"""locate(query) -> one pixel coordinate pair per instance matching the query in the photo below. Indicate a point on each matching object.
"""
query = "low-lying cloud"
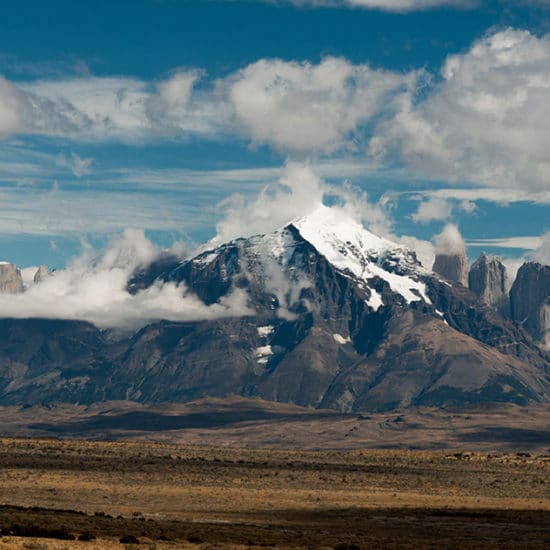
(93, 288)
(299, 192)
(542, 253)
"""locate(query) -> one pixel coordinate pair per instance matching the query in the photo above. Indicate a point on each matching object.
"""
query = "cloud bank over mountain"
(93, 287)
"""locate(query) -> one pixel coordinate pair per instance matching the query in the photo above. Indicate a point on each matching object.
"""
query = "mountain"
(530, 301)
(488, 279)
(338, 318)
(41, 273)
(11, 281)
(454, 267)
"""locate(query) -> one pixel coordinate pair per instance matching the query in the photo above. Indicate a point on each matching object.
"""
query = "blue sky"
(148, 114)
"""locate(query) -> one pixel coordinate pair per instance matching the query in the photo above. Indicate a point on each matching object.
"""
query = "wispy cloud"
(406, 6)
(60, 211)
(304, 108)
(41, 195)
(52, 68)
(499, 195)
(92, 108)
(400, 6)
(79, 166)
(524, 243)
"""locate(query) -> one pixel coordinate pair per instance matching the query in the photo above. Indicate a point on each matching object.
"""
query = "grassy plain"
(175, 496)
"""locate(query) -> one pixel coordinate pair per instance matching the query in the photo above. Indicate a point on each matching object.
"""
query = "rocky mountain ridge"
(452, 266)
(530, 301)
(339, 318)
(527, 302)
(11, 278)
(488, 279)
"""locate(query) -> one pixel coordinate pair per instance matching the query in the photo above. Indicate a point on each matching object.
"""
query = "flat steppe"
(241, 422)
(183, 496)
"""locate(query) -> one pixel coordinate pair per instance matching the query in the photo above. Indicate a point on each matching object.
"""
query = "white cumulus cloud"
(436, 208)
(298, 192)
(303, 108)
(450, 240)
(485, 122)
(103, 108)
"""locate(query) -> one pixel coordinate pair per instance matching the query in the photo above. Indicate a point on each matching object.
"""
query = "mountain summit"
(335, 317)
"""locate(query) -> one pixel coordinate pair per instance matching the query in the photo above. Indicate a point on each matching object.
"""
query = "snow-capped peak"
(350, 248)
(345, 243)
(334, 234)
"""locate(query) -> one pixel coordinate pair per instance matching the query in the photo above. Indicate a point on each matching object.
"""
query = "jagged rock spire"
(453, 267)
(41, 273)
(530, 300)
(488, 279)
(11, 281)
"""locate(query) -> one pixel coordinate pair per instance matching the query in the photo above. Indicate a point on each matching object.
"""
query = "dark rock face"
(43, 361)
(530, 300)
(454, 267)
(461, 371)
(320, 336)
(11, 281)
(488, 279)
(144, 277)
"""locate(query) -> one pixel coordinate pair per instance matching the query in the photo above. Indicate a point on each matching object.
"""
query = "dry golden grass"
(287, 498)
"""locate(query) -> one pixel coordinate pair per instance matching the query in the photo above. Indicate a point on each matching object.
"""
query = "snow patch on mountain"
(375, 300)
(263, 353)
(350, 248)
(334, 234)
(279, 245)
(340, 339)
(206, 259)
(265, 331)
